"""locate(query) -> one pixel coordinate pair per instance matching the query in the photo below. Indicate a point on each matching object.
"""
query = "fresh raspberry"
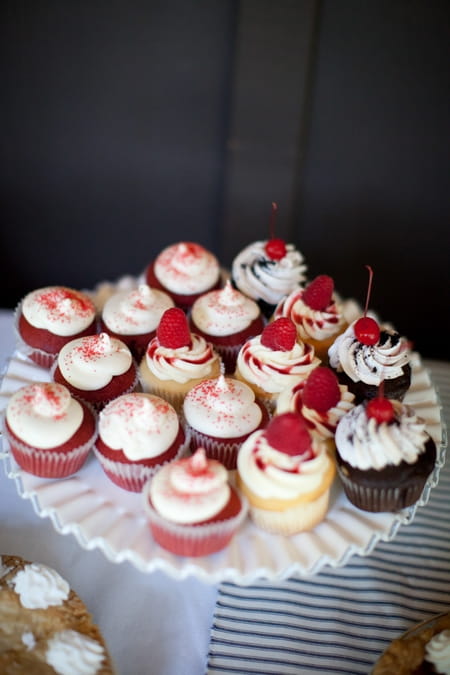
(321, 389)
(280, 334)
(317, 294)
(380, 409)
(275, 249)
(288, 433)
(173, 330)
(367, 331)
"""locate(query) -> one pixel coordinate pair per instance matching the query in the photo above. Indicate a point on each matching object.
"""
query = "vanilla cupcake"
(184, 270)
(226, 318)
(48, 318)
(275, 360)
(317, 314)
(133, 315)
(286, 476)
(138, 433)
(176, 359)
(221, 413)
(96, 369)
(49, 432)
(191, 506)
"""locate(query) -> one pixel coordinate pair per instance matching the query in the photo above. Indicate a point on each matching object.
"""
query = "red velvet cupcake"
(138, 433)
(48, 318)
(50, 433)
(184, 271)
(192, 509)
(96, 368)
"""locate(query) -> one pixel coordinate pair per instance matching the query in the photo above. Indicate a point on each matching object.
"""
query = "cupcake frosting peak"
(224, 312)
(187, 268)
(61, 310)
(138, 310)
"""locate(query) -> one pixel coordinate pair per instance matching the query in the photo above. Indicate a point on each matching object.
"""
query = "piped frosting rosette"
(192, 508)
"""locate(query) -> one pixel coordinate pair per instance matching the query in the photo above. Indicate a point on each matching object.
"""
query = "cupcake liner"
(378, 498)
(228, 354)
(48, 463)
(192, 540)
(223, 450)
(296, 519)
(174, 398)
(133, 476)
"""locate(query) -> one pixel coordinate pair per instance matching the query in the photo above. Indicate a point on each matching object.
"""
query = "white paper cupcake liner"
(223, 450)
(296, 519)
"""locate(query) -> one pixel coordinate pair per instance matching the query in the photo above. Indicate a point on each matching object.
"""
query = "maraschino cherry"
(275, 248)
(367, 331)
(380, 408)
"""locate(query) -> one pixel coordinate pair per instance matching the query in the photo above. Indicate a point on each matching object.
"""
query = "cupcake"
(49, 432)
(97, 369)
(266, 271)
(286, 476)
(366, 355)
(226, 318)
(275, 360)
(133, 315)
(176, 359)
(384, 455)
(321, 400)
(191, 507)
(184, 271)
(316, 313)
(44, 625)
(221, 413)
(48, 318)
(137, 434)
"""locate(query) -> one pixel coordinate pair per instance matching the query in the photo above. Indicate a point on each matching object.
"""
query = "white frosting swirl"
(262, 278)
(272, 369)
(72, 653)
(366, 444)
(311, 323)
(44, 414)
(91, 362)
(186, 268)
(39, 587)
(322, 424)
(224, 312)
(60, 310)
(369, 363)
(271, 474)
(438, 652)
(222, 407)
(191, 490)
(182, 364)
(141, 425)
(135, 311)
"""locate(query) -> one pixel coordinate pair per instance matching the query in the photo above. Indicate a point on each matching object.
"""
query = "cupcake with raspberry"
(322, 402)
(49, 432)
(133, 315)
(48, 318)
(191, 506)
(226, 318)
(286, 475)
(275, 360)
(176, 359)
(317, 314)
(384, 455)
(221, 413)
(138, 433)
(97, 369)
(184, 270)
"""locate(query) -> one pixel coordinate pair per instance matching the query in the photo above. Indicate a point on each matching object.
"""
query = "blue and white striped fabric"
(341, 620)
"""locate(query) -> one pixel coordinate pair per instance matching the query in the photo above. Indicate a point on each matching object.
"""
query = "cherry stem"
(369, 288)
(273, 217)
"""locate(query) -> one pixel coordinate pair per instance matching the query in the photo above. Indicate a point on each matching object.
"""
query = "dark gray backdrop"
(127, 126)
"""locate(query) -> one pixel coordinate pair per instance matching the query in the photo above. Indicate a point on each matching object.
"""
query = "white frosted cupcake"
(221, 413)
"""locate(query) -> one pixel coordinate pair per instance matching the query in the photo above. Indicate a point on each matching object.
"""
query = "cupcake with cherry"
(192, 508)
(286, 475)
(176, 359)
(268, 270)
(274, 361)
(316, 312)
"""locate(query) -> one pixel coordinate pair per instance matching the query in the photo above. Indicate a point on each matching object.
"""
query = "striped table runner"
(342, 619)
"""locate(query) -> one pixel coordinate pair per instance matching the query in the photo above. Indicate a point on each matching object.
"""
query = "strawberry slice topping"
(173, 329)
(280, 335)
(321, 390)
(318, 293)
